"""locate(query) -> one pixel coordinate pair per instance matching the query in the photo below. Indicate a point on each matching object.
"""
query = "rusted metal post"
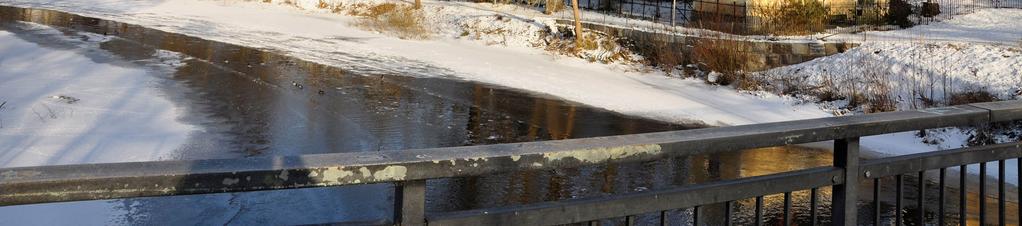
(410, 203)
(846, 157)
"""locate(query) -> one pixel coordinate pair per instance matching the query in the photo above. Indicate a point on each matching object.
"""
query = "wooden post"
(418, 4)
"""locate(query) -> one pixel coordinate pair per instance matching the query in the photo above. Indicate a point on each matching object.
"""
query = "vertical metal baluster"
(876, 201)
(410, 202)
(695, 216)
(982, 193)
(727, 213)
(899, 189)
(663, 218)
(787, 209)
(630, 220)
(940, 197)
(963, 204)
(813, 202)
(759, 211)
(920, 204)
(1000, 192)
(845, 195)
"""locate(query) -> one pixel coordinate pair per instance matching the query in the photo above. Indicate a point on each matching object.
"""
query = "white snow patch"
(117, 117)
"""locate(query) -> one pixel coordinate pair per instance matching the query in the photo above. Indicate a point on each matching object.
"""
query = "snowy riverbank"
(67, 103)
(319, 34)
(63, 114)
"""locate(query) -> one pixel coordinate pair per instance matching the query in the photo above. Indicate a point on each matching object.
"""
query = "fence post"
(410, 203)
(846, 195)
(674, 11)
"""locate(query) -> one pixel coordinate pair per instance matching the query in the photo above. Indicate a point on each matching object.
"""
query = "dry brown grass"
(404, 21)
(553, 6)
(658, 52)
(727, 57)
(665, 57)
(792, 17)
(596, 47)
(971, 97)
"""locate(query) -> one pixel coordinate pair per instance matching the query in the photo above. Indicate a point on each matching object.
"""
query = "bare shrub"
(877, 95)
(322, 5)
(403, 21)
(553, 6)
(971, 97)
(728, 57)
(873, 93)
(595, 47)
(664, 56)
(792, 17)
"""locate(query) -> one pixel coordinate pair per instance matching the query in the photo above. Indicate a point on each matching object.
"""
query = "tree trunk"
(418, 4)
(578, 23)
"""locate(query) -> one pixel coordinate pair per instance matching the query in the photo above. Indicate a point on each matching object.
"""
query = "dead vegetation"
(971, 97)
(595, 47)
(553, 6)
(403, 21)
(727, 57)
(872, 83)
(792, 17)
(876, 93)
(665, 56)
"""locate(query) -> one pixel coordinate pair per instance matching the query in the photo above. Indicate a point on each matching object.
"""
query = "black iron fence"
(410, 169)
(745, 17)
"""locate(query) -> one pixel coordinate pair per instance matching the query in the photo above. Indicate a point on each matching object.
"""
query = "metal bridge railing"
(409, 170)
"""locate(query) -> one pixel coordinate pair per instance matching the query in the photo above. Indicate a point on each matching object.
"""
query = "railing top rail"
(879, 168)
(41, 184)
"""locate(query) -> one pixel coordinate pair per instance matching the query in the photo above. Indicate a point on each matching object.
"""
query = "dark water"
(246, 103)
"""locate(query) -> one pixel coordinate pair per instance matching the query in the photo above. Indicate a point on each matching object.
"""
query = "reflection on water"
(252, 102)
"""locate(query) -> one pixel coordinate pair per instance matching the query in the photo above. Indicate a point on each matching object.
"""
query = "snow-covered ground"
(319, 35)
(921, 67)
(65, 103)
(62, 106)
(508, 58)
(994, 26)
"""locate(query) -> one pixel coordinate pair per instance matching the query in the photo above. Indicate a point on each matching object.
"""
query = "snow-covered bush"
(894, 76)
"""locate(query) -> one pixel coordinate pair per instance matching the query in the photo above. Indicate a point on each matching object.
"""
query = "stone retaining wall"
(765, 54)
